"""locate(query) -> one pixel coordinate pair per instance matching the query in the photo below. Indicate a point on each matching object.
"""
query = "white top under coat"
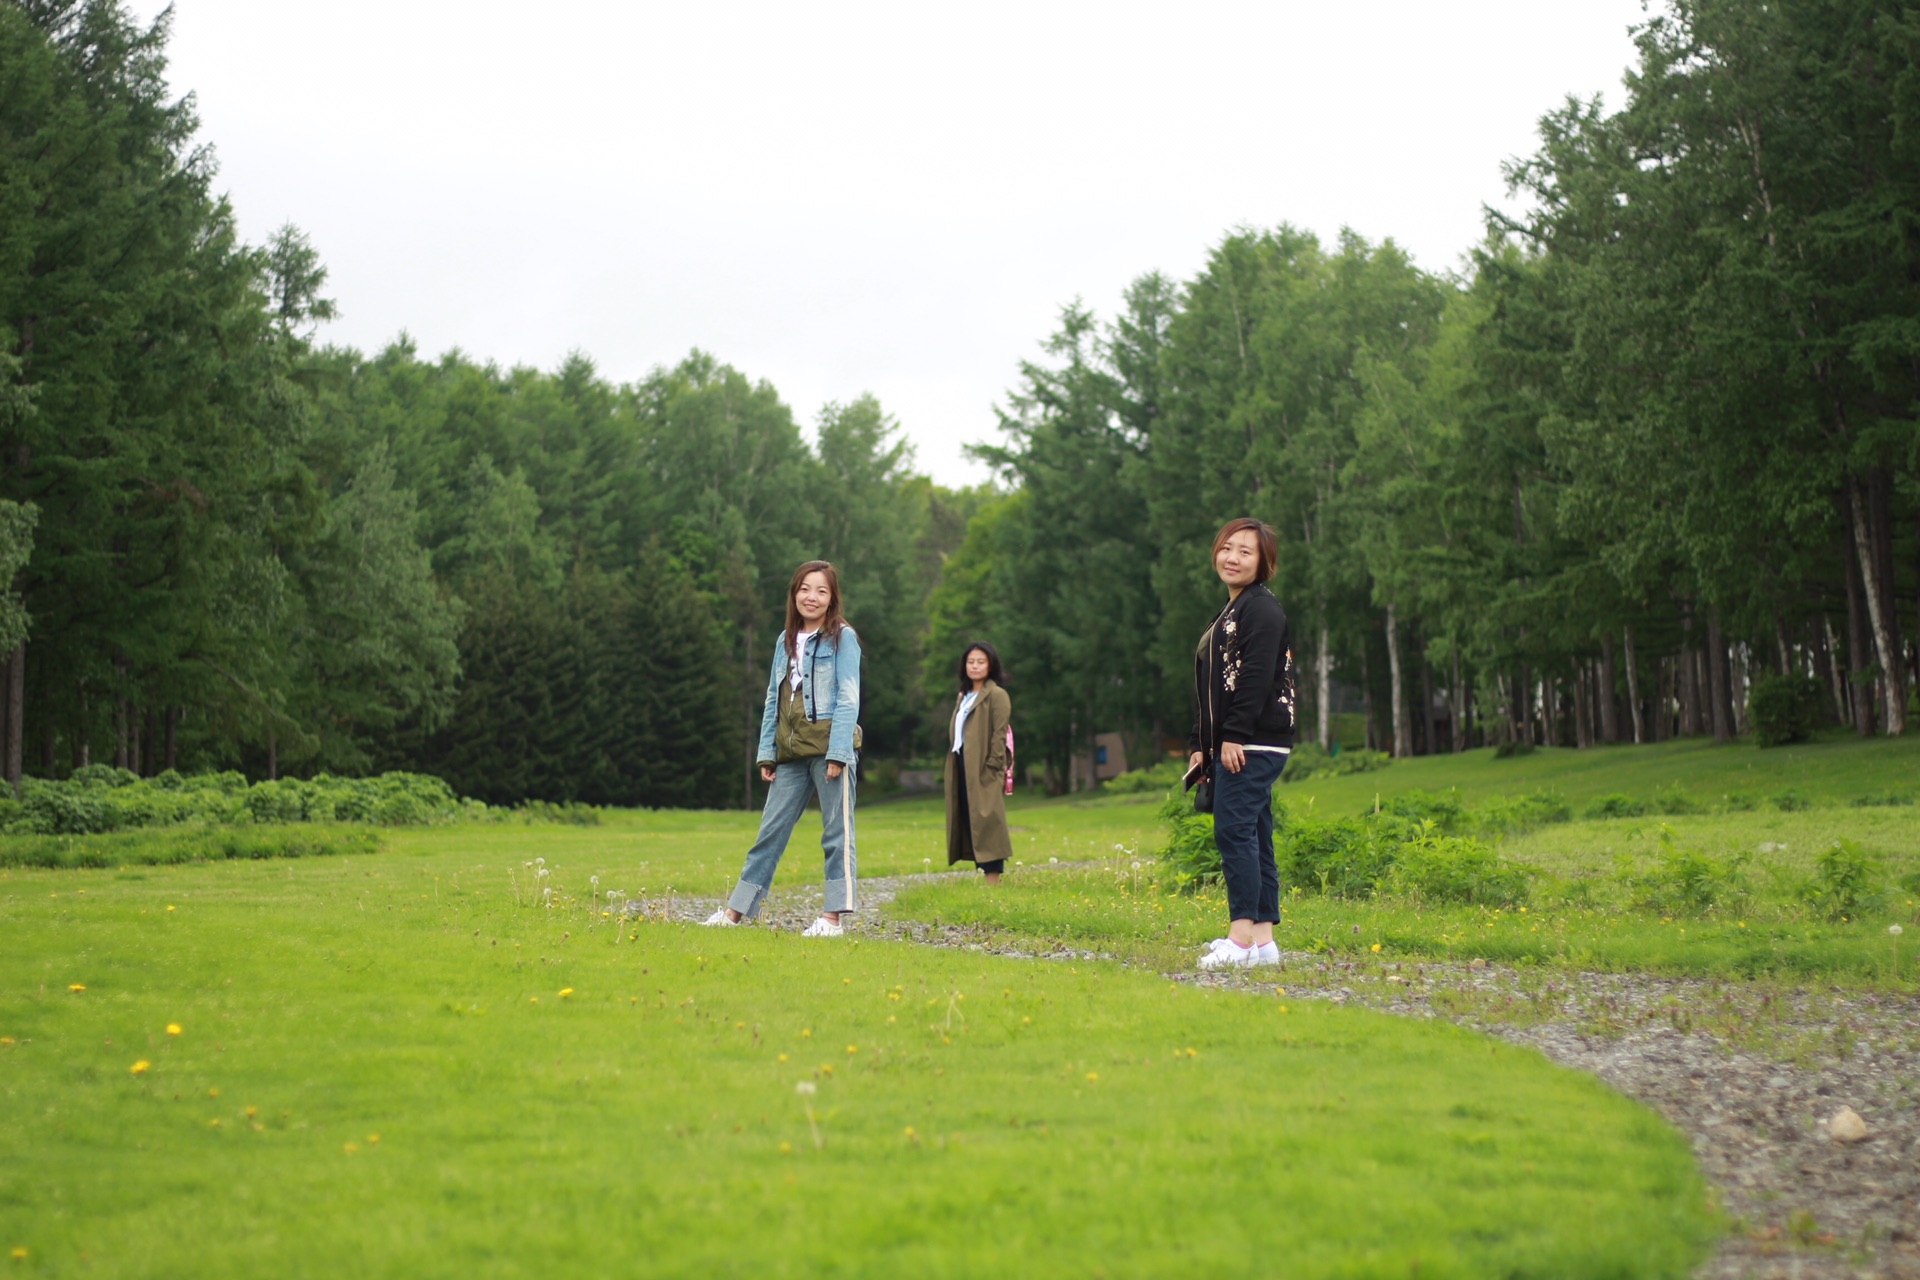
(960, 717)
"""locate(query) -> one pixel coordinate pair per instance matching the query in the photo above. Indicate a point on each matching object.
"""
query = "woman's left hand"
(834, 769)
(1234, 756)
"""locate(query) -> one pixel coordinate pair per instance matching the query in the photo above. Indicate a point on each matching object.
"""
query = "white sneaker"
(823, 928)
(1230, 956)
(720, 919)
(1216, 944)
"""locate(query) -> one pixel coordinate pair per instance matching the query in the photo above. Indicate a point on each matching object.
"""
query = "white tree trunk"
(1323, 679)
(1402, 731)
(1894, 694)
(1633, 689)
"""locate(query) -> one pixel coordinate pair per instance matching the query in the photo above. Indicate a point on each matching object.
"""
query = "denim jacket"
(830, 687)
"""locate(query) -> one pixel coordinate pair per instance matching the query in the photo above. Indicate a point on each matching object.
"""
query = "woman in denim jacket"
(809, 745)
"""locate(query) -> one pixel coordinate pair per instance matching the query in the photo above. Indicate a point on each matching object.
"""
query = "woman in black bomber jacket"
(1242, 732)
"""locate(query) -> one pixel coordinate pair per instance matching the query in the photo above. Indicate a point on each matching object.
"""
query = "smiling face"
(1238, 559)
(812, 597)
(977, 666)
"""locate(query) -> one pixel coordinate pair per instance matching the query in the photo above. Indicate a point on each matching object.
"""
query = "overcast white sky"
(849, 197)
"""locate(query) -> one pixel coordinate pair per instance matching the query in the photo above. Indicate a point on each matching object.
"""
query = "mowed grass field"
(404, 1064)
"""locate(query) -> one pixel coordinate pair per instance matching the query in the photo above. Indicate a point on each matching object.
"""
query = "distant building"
(1109, 760)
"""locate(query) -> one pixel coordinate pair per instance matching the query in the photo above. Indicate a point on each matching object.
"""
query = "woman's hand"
(1194, 761)
(1234, 756)
(766, 773)
(834, 770)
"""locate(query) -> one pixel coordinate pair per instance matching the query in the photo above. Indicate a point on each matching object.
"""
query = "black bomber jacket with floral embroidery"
(1243, 682)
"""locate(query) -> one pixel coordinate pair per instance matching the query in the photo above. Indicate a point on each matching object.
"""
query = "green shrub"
(1512, 747)
(1790, 802)
(1340, 857)
(1673, 799)
(1510, 815)
(1884, 799)
(1615, 806)
(1311, 760)
(164, 848)
(1445, 812)
(1440, 868)
(1686, 880)
(1784, 709)
(1159, 777)
(101, 798)
(1190, 856)
(1739, 802)
(1845, 882)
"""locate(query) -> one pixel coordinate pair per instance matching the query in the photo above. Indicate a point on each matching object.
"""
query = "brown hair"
(831, 622)
(1263, 536)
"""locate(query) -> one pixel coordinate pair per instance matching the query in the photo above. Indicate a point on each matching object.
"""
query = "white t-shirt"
(960, 718)
(799, 648)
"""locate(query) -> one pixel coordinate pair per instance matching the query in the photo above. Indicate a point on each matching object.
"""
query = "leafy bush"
(99, 799)
(1686, 880)
(1784, 709)
(1509, 815)
(1350, 857)
(1159, 777)
(1615, 806)
(1445, 812)
(1844, 883)
(1790, 802)
(1311, 760)
(164, 848)
(1884, 799)
(1512, 747)
(1440, 868)
(1673, 799)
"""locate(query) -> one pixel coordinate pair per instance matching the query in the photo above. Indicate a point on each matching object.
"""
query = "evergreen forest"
(1644, 465)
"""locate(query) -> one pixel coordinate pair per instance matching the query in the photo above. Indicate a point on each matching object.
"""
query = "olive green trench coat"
(984, 754)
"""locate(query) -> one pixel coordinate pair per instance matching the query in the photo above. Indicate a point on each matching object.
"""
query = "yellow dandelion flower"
(565, 992)
(783, 1057)
(6, 1039)
(1026, 1022)
(351, 1148)
(19, 1255)
(214, 1123)
(76, 986)
(252, 1112)
(169, 908)
(173, 1028)
(373, 1139)
(533, 999)
(891, 1019)
(852, 1049)
(807, 1033)
(786, 1148)
(846, 982)
(213, 1093)
(826, 1068)
(911, 1135)
(140, 1068)
(1376, 946)
(1093, 1077)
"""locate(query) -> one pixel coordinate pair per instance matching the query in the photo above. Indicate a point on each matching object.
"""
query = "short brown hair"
(1263, 535)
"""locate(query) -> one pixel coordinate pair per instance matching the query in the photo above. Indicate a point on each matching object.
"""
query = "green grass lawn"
(555, 1095)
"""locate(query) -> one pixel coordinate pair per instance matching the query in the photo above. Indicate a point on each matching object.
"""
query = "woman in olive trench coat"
(977, 770)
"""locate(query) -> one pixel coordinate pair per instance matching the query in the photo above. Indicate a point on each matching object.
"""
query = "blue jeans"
(793, 783)
(1243, 832)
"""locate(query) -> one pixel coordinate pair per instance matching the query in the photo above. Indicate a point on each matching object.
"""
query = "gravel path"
(1752, 1073)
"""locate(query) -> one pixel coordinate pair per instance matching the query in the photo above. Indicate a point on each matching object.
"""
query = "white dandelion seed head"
(1053, 859)
(594, 881)
(806, 1088)
(1136, 864)
(1895, 930)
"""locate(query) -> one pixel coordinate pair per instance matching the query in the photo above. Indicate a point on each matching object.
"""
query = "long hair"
(993, 666)
(1263, 536)
(831, 622)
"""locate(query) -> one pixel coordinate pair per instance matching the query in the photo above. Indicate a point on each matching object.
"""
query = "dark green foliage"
(1784, 709)
(1688, 881)
(1310, 760)
(101, 799)
(171, 847)
(1846, 881)
(1160, 777)
(1673, 799)
(1615, 806)
(1352, 857)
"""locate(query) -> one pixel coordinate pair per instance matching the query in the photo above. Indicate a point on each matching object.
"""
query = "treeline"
(229, 547)
(1655, 445)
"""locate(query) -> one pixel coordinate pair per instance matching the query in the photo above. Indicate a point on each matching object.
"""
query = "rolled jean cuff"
(746, 899)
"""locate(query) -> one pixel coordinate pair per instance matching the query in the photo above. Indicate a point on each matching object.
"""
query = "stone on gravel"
(1847, 1126)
